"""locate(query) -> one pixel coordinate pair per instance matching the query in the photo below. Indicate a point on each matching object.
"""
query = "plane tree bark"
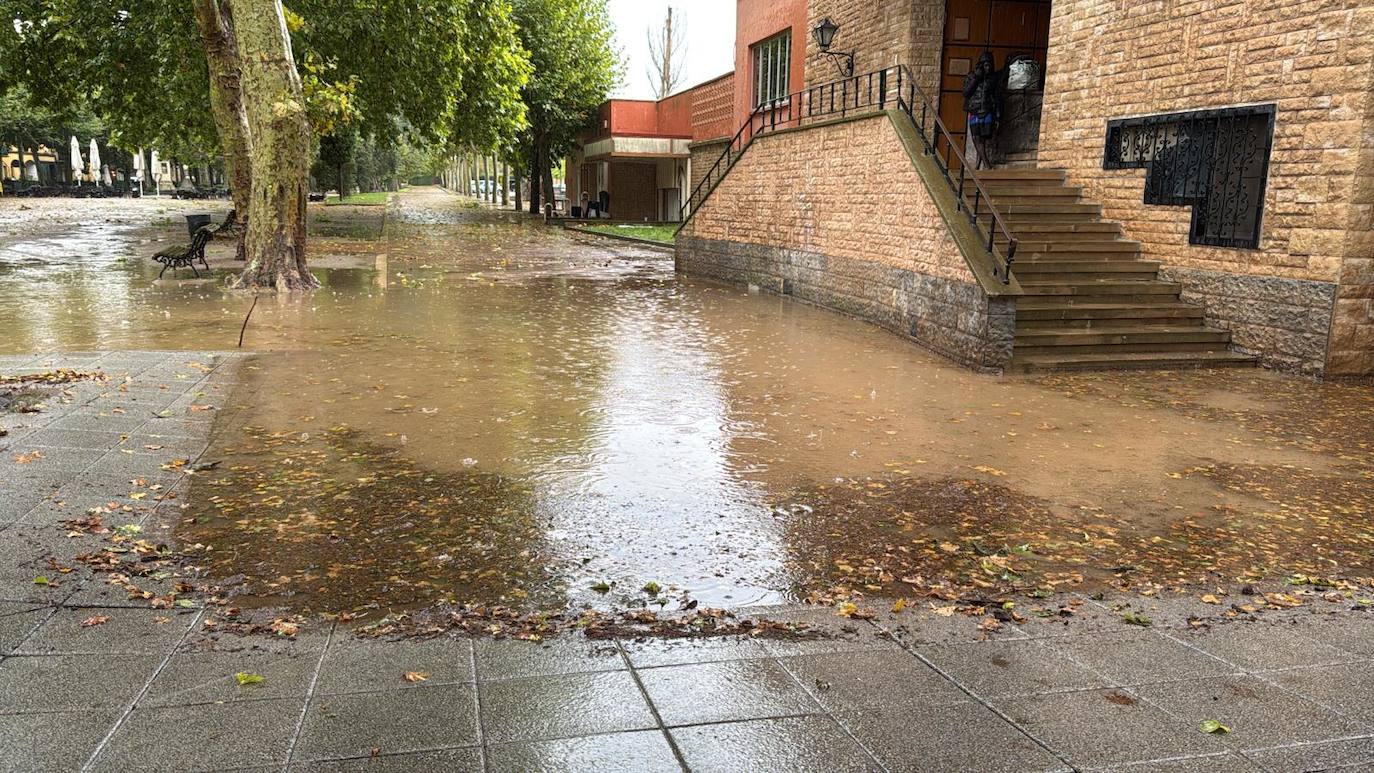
(259, 111)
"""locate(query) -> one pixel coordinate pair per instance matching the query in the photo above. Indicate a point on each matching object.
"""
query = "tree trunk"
(536, 159)
(505, 184)
(213, 18)
(519, 205)
(275, 107)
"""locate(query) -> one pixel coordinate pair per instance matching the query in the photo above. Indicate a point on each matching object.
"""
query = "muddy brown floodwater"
(492, 411)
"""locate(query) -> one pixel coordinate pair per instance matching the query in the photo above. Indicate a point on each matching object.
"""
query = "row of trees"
(264, 84)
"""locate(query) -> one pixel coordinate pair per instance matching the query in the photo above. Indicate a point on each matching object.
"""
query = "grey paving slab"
(102, 422)
(1263, 646)
(1327, 755)
(562, 706)
(962, 737)
(47, 459)
(53, 741)
(200, 738)
(466, 760)
(210, 677)
(1101, 727)
(670, 652)
(17, 622)
(1139, 657)
(394, 721)
(363, 666)
(800, 744)
(70, 682)
(646, 750)
(1001, 668)
(844, 681)
(506, 658)
(1345, 687)
(1350, 633)
(1212, 763)
(75, 438)
(1259, 714)
(722, 692)
(124, 631)
(829, 633)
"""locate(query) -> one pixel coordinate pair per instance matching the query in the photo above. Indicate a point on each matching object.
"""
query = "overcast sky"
(710, 35)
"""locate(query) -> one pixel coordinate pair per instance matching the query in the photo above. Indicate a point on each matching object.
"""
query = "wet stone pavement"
(132, 666)
(92, 680)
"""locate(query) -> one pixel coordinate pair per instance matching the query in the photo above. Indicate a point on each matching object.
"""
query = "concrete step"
(1056, 313)
(1001, 200)
(1042, 244)
(1051, 212)
(1075, 271)
(997, 188)
(1132, 338)
(1036, 286)
(1130, 361)
(1088, 229)
(1160, 347)
(1052, 175)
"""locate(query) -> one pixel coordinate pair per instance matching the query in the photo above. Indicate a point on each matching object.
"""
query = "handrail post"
(882, 90)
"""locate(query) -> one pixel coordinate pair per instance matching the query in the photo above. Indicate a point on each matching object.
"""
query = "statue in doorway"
(983, 103)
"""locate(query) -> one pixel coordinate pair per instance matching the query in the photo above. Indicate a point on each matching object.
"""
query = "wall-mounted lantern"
(825, 38)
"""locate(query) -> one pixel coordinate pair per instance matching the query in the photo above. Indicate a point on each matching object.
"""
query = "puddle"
(495, 412)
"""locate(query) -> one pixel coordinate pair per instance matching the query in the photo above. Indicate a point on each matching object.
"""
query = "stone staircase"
(1089, 300)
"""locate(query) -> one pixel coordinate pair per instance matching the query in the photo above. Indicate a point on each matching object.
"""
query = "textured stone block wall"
(704, 156)
(1312, 58)
(881, 34)
(837, 215)
(844, 189)
(1284, 321)
(1352, 333)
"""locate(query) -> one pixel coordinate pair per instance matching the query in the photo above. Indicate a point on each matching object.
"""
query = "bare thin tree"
(667, 49)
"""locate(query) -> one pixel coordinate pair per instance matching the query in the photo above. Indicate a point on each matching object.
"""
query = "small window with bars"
(772, 69)
(1216, 161)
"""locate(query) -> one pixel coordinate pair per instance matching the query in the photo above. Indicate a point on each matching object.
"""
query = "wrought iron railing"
(878, 90)
(1215, 161)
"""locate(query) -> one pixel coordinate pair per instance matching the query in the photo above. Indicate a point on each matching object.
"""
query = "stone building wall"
(704, 156)
(713, 108)
(1352, 334)
(1312, 58)
(881, 34)
(837, 214)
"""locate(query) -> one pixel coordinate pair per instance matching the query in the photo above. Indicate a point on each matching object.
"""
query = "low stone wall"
(952, 318)
(1286, 322)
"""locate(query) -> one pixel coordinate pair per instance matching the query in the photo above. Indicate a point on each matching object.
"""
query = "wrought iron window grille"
(1215, 161)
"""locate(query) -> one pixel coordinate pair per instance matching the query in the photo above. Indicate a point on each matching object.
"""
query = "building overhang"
(636, 147)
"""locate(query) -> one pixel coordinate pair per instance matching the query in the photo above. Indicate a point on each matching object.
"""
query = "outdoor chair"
(186, 257)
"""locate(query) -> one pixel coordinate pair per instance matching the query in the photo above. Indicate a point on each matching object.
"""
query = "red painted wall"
(756, 21)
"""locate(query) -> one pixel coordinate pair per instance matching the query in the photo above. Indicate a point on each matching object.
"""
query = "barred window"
(1215, 161)
(772, 69)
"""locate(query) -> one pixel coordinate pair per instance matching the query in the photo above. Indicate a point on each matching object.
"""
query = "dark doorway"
(1009, 29)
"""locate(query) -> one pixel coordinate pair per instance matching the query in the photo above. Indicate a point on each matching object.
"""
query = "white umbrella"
(94, 161)
(105, 176)
(155, 171)
(77, 166)
(31, 172)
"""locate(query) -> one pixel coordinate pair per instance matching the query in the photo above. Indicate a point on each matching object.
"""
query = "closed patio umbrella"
(154, 170)
(94, 161)
(77, 165)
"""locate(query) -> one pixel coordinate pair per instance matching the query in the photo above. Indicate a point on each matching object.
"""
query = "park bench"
(184, 257)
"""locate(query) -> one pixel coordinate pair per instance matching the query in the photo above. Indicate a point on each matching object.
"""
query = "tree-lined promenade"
(264, 88)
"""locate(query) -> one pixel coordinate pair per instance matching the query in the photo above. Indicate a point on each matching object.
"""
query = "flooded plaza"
(479, 409)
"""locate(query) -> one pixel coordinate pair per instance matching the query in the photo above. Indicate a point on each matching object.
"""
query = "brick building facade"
(1299, 295)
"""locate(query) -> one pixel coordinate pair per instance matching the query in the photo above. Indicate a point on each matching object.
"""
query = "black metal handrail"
(893, 86)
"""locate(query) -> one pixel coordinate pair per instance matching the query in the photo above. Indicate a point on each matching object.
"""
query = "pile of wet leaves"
(26, 393)
(506, 622)
(985, 544)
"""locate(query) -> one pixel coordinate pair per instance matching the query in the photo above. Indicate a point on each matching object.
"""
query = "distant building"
(638, 155)
(40, 163)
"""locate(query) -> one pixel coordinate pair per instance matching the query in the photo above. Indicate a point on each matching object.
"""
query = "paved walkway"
(151, 689)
